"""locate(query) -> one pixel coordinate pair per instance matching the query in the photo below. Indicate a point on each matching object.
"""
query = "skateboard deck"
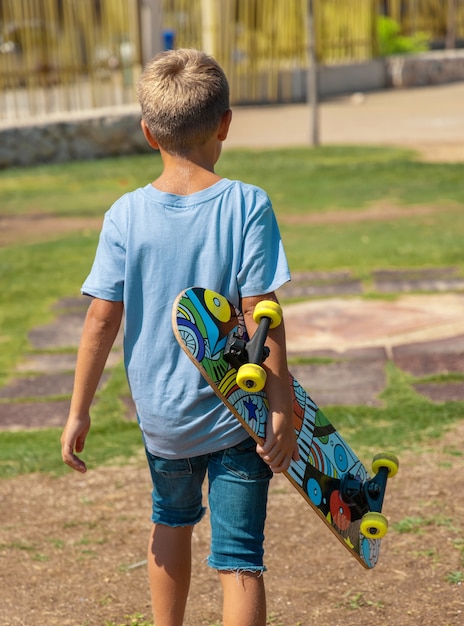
(202, 321)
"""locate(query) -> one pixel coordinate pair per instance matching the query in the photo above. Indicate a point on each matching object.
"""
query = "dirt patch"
(73, 550)
(35, 228)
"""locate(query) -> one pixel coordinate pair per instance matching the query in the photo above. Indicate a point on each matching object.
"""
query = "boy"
(189, 227)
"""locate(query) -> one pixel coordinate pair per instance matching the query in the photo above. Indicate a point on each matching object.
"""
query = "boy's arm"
(100, 329)
(280, 445)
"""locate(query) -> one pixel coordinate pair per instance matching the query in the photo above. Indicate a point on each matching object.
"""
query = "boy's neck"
(186, 175)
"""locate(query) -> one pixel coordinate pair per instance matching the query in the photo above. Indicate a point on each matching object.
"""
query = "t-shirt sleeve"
(106, 278)
(264, 265)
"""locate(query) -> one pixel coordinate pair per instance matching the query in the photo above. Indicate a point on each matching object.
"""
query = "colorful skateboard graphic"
(329, 475)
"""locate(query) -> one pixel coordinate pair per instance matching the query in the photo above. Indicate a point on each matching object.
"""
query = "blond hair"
(183, 94)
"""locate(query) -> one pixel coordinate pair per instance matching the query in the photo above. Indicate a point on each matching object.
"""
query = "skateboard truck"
(238, 352)
(247, 356)
(368, 495)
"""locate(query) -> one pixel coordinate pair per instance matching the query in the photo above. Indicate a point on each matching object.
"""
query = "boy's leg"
(244, 599)
(169, 564)
(238, 488)
(177, 507)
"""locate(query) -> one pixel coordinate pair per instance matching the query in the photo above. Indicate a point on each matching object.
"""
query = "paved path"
(422, 334)
(431, 118)
(347, 341)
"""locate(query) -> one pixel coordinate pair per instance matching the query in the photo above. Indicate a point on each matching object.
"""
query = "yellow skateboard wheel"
(390, 461)
(374, 525)
(270, 309)
(251, 377)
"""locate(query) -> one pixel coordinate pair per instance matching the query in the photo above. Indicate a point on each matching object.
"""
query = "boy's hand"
(281, 445)
(73, 440)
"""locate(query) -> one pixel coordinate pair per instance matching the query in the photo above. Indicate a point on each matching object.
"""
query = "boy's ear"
(148, 136)
(224, 125)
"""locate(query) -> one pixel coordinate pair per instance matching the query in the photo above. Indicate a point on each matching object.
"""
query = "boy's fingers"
(80, 443)
(276, 458)
(280, 464)
(68, 456)
(76, 463)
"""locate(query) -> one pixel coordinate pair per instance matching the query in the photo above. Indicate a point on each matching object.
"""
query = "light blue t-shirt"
(152, 246)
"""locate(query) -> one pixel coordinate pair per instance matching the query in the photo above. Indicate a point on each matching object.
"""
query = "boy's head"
(184, 95)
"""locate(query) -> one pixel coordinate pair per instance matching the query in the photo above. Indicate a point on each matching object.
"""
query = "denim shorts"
(238, 483)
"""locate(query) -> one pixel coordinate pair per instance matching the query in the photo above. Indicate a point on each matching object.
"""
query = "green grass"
(113, 440)
(81, 188)
(455, 578)
(300, 182)
(32, 278)
(427, 241)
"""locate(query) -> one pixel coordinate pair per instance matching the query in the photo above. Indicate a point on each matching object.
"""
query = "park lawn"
(301, 182)
(428, 240)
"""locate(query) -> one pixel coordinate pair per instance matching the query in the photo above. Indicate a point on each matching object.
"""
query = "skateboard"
(329, 475)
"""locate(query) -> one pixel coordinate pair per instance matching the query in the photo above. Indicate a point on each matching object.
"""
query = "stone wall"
(428, 68)
(116, 131)
(75, 137)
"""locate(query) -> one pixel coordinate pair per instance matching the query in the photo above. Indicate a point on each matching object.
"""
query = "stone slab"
(20, 416)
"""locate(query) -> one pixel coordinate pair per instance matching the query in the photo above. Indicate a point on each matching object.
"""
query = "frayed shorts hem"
(249, 569)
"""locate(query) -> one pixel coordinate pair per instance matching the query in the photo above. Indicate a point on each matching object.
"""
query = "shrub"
(391, 41)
